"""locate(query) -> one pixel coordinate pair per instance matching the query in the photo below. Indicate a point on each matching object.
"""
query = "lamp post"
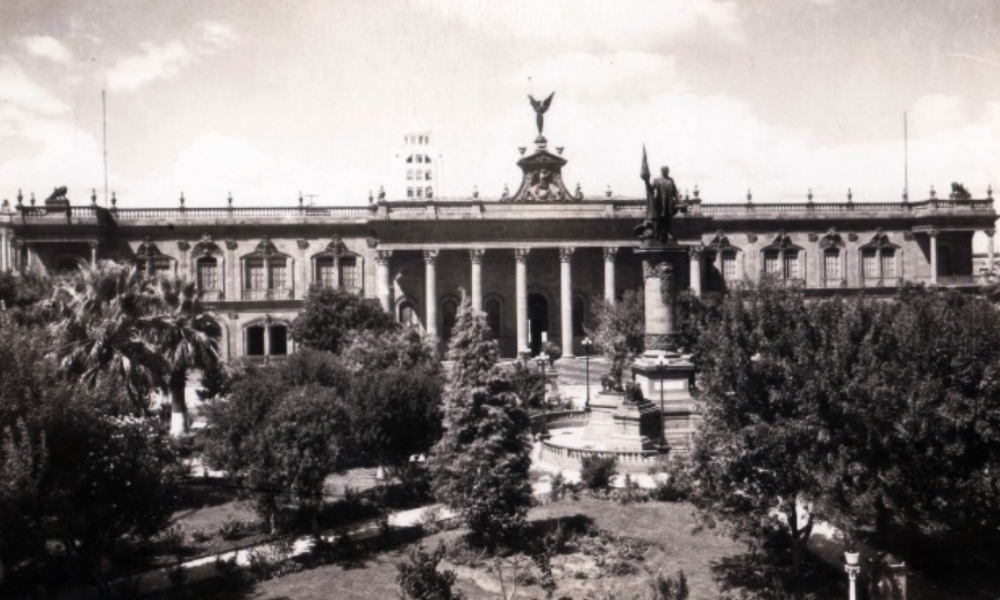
(661, 368)
(587, 343)
(542, 360)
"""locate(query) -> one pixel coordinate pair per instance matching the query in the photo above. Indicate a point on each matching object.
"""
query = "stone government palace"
(534, 260)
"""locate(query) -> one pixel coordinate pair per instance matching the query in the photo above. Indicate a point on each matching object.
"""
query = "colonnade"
(521, 257)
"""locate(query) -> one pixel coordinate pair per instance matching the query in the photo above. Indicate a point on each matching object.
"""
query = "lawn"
(666, 527)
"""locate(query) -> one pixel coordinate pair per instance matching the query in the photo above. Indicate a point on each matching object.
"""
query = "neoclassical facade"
(534, 261)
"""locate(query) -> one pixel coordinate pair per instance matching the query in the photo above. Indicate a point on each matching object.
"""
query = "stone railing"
(272, 294)
(626, 458)
(212, 295)
(599, 208)
(559, 419)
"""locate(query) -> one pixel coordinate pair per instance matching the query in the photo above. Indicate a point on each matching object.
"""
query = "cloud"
(215, 165)
(47, 47)
(162, 61)
(937, 111)
(626, 23)
(67, 157)
(18, 90)
(583, 75)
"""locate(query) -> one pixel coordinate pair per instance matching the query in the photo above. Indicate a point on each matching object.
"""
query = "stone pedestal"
(663, 373)
(666, 378)
(620, 425)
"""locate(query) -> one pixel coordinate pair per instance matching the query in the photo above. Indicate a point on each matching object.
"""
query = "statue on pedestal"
(662, 203)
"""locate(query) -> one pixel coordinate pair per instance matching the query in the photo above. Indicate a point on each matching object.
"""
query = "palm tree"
(101, 313)
(186, 335)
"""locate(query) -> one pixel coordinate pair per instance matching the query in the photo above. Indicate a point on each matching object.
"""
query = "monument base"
(620, 425)
(665, 378)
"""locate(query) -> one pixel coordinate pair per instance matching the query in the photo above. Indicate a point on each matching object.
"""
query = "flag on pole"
(644, 173)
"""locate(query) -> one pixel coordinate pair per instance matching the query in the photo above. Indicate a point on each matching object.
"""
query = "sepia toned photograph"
(499, 299)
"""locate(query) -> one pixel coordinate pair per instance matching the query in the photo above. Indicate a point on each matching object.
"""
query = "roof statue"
(542, 171)
(540, 108)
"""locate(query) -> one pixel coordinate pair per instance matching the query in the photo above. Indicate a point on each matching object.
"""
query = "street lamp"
(587, 343)
(661, 368)
(542, 360)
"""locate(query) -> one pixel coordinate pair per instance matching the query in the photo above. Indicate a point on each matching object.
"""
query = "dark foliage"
(329, 317)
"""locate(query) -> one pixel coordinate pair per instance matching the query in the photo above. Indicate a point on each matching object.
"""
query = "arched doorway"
(538, 320)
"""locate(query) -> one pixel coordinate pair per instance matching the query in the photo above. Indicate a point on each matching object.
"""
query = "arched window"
(493, 316)
(449, 314)
(266, 339)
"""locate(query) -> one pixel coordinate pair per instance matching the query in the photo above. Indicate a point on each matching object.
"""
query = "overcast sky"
(267, 99)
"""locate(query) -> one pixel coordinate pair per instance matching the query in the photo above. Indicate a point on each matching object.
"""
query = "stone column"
(430, 286)
(4, 260)
(932, 237)
(989, 249)
(232, 290)
(476, 260)
(182, 245)
(609, 274)
(696, 269)
(521, 288)
(19, 256)
(566, 300)
(267, 337)
(382, 278)
(93, 253)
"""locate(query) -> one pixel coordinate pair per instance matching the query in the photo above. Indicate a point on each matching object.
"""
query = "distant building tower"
(419, 165)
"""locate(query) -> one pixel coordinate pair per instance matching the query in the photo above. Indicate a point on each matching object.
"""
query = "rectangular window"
(255, 274)
(888, 263)
(348, 273)
(869, 264)
(791, 261)
(772, 266)
(324, 271)
(278, 275)
(208, 275)
(831, 264)
(162, 267)
(729, 266)
(409, 174)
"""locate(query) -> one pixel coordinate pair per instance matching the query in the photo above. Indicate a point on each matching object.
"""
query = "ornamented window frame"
(880, 243)
(716, 248)
(832, 240)
(148, 253)
(207, 247)
(337, 250)
(267, 322)
(268, 253)
(783, 244)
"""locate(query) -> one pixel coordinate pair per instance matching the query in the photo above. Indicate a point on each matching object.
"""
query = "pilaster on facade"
(695, 253)
(989, 250)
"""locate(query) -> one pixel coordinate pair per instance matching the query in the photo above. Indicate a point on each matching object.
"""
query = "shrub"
(597, 471)
(420, 580)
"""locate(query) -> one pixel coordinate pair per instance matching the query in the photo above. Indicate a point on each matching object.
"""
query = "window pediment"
(879, 241)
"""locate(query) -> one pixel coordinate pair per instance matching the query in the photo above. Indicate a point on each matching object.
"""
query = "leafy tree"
(420, 580)
(281, 430)
(292, 454)
(329, 318)
(619, 330)
(526, 383)
(596, 472)
(72, 468)
(402, 348)
(879, 416)
(480, 466)
(186, 334)
(759, 435)
(395, 414)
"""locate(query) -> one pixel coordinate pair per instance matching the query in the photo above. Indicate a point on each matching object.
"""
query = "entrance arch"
(538, 319)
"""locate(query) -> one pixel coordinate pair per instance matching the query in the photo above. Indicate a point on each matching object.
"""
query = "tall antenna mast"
(104, 114)
(906, 158)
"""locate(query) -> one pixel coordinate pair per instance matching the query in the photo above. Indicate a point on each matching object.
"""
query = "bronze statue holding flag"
(662, 203)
